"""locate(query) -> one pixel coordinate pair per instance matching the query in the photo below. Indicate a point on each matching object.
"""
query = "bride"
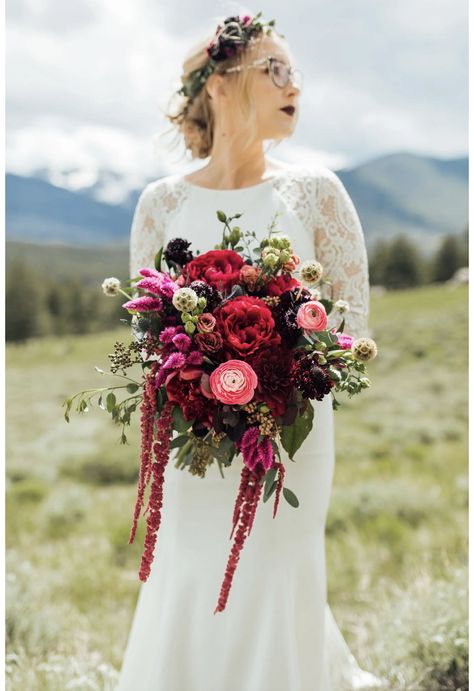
(277, 633)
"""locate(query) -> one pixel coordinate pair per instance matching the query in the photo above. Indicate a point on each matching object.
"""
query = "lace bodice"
(316, 197)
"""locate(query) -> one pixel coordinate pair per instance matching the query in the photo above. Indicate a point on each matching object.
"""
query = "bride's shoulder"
(305, 172)
(161, 193)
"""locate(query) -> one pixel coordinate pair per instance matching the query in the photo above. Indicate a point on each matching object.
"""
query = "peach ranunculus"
(292, 263)
(249, 275)
(205, 323)
(312, 316)
(233, 382)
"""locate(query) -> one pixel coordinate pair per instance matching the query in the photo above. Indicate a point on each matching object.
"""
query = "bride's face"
(267, 98)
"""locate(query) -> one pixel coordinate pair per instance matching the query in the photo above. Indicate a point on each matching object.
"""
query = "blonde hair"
(194, 120)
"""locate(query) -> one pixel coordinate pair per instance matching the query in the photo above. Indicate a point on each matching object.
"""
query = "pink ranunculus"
(233, 382)
(312, 316)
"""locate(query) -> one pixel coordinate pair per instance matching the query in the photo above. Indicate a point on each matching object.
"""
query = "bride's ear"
(215, 86)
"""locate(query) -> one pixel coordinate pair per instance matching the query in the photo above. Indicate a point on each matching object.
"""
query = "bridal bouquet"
(234, 345)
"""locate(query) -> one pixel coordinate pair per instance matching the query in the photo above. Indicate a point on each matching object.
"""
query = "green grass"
(396, 530)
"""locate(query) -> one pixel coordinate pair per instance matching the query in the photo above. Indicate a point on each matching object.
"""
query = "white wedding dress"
(277, 632)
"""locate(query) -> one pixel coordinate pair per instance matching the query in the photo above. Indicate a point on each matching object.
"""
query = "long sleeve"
(340, 247)
(146, 234)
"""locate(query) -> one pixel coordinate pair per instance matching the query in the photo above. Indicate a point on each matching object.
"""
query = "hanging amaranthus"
(245, 508)
(147, 423)
(281, 477)
(155, 501)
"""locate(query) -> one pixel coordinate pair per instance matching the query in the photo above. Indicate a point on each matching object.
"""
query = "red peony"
(246, 325)
(279, 284)
(220, 268)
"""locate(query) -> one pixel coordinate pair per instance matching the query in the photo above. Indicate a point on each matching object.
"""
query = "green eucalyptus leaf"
(158, 256)
(131, 388)
(292, 436)
(334, 373)
(290, 497)
(177, 442)
(269, 478)
(180, 423)
(110, 402)
(267, 495)
(327, 304)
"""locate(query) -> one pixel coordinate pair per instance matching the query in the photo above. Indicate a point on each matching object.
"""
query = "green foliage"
(403, 265)
(448, 258)
(44, 298)
(23, 302)
(293, 436)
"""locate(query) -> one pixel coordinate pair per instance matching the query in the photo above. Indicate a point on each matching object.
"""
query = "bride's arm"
(340, 247)
(146, 233)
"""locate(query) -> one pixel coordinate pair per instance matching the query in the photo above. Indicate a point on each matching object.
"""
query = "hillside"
(422, 196)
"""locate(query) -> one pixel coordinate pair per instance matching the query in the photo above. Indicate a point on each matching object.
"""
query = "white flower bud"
(111, 286)
(185, 299)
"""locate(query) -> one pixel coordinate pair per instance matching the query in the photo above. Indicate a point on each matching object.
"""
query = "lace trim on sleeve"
(340, 247)
(158, 201)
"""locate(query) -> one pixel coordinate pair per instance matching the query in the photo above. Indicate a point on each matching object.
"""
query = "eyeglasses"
(279, 71)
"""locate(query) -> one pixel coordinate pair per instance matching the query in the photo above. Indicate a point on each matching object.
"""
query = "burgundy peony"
(273, 369)
(219, 268)
(185, 388)
(279, 284)
(246, 325)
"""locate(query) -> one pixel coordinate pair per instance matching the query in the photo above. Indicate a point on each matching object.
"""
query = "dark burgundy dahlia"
(208, 291)
(229, 40)
(273, 369)
(177, 252)
(308, 377)
(285, 313)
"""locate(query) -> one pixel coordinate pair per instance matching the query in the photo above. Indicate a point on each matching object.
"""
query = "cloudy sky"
(88, 82)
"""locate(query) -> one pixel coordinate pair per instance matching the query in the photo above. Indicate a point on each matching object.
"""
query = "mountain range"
(423, 197)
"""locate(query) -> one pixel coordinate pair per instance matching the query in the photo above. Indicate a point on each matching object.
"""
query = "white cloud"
(88, 83)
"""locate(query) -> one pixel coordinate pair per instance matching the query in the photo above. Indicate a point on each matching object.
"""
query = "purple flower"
(194, 358)
(150, 272)
(182, 342)
(265, 453)
(168, 288)
(252, 452)
(175, 361)
(152, 285)
(168, 333)
(144, 304)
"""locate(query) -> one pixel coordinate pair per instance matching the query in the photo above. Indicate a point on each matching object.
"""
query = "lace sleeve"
(340, 247)
(146, 234)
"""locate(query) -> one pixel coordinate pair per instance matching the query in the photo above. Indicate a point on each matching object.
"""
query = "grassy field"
(396, 531)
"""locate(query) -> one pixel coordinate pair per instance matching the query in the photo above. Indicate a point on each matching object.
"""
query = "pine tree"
(403, 266)
(23, 302)
(377, 262)
(447, 259)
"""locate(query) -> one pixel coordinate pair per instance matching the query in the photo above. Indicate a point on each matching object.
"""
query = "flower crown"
(228, 42)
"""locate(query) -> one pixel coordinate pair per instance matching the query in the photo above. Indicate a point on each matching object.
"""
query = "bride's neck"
(230, 166)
